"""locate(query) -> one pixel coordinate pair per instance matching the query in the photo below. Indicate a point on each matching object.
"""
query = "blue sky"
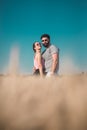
(23, 21)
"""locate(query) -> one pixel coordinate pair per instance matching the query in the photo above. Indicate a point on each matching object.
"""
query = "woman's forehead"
(37, 43)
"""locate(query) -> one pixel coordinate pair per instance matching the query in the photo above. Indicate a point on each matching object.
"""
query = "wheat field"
(34, 103)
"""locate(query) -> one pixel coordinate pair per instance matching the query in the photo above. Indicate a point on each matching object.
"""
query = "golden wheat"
(33, 103)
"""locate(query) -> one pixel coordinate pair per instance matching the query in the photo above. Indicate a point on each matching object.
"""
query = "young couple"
(46, 63)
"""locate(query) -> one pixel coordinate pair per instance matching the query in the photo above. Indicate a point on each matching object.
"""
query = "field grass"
(33, 103)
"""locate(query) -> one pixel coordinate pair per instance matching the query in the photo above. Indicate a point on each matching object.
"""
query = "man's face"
(45, 41)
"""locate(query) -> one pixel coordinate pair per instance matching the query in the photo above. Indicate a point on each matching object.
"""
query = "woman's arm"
(40, 64)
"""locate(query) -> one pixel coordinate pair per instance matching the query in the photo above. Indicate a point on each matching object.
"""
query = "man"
(50, 56)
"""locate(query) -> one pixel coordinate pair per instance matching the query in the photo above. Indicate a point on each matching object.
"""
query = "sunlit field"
(33, 103)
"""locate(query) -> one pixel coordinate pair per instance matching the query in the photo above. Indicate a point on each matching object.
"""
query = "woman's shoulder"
(38, 54)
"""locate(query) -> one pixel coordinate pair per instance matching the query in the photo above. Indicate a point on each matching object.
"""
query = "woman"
(38, 61)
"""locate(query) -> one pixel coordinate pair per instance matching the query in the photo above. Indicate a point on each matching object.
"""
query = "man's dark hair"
(45, 35)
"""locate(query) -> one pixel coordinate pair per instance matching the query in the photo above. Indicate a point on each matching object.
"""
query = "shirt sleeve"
(54, 49)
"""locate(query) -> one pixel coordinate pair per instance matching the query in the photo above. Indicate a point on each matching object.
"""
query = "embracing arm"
(40, 64)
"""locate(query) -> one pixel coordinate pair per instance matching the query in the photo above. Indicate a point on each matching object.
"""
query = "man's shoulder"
(43, 52)
(53, 47)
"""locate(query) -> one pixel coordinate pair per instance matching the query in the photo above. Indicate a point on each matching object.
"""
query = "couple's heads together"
(45, 40)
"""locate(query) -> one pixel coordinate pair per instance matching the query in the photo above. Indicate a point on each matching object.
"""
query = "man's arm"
(55, 62)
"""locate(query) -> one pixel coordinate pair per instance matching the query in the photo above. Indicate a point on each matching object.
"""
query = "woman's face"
(37, 46)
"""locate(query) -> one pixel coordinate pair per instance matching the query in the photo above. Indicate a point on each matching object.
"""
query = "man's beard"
(46, 45)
